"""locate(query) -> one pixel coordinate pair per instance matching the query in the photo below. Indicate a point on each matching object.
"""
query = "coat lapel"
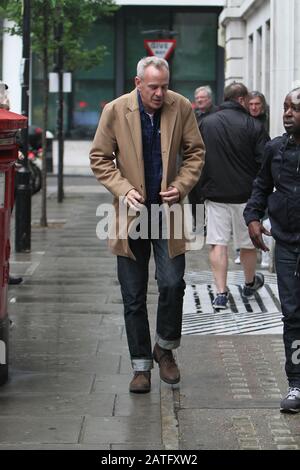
(134, 123)
(168, 119)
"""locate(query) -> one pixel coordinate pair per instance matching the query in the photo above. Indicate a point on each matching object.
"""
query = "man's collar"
(141, 106)
(292, 141)
(231, 104)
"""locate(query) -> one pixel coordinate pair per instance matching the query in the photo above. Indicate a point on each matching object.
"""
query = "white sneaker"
(291, 402)
(237, 260)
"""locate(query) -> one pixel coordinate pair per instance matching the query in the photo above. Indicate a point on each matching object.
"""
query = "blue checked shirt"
(151, 154)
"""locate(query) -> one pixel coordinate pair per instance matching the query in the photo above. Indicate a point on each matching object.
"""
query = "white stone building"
(262, 49)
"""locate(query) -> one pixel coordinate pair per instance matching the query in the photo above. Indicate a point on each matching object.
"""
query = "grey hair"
(295, 90)
(151, 60)
(205, 88)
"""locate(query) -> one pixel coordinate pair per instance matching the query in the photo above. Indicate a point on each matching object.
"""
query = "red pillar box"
(9, 125)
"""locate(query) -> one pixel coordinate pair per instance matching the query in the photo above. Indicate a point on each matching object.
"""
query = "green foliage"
(77, 16)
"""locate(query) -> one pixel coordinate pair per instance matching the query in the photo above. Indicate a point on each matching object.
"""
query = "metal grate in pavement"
(260, 315)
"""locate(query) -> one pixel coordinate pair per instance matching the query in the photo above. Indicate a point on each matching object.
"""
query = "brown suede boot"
(141, 382)
(168, 369)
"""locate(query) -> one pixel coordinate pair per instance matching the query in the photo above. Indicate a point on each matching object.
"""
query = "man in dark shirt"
(234, 150)
(281, 170)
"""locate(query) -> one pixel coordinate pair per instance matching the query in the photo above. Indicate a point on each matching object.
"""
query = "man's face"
(255, 107)
(291, 114)
(203, 101)
(153, 87)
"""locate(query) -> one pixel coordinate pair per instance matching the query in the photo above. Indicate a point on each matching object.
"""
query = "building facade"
(262, 44)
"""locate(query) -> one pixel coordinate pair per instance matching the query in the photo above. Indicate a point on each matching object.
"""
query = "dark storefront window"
(194, 62)
(137, 22)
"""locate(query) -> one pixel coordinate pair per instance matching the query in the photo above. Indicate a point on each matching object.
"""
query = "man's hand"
(134, 199)
(256, 229)
(170, 196)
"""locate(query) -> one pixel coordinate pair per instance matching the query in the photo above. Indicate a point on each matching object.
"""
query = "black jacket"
(200, 116)
(234, 143)
(280, 170)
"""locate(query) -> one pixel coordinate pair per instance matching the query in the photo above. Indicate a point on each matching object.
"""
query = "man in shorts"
(235, 144)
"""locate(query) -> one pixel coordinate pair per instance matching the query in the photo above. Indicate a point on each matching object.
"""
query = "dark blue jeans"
(289, 293)
(133, 277)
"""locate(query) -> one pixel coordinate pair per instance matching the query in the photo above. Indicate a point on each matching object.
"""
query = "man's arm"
(193, 152)
(257, 204)
(102, 156)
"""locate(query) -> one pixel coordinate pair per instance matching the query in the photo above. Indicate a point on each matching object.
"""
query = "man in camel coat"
(148, 152)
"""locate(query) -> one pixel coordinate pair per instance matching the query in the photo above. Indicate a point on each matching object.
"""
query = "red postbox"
(9, 125)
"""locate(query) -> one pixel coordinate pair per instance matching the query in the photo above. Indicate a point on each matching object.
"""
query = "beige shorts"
(224, 221)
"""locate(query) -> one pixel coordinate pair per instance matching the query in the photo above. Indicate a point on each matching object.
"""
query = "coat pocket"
(278, 209)
(293, 212)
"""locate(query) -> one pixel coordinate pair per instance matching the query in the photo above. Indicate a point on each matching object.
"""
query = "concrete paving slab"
(28, 382)
(128, 404)
(45, 430)
(61, 309)
(116, 319)
(57, 404)
(135, 446)
(122, 430)
(55, 347)
(69, 280)
(103, 364)
(54, 447)
(32, 327)
(79, 264)
(62, 289)
(120, 347)
(73, 298)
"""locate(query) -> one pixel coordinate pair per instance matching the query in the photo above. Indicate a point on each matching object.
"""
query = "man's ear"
(137, 81)
(243, 102)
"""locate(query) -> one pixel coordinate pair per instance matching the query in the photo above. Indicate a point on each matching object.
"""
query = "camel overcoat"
(116, 157)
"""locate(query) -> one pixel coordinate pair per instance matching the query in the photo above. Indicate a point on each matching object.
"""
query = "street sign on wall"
(161, 48)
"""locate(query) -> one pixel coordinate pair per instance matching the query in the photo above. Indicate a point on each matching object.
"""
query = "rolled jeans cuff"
(166, 343)
(140, 365)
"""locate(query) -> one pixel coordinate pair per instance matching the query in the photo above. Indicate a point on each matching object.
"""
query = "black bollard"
(23, 211)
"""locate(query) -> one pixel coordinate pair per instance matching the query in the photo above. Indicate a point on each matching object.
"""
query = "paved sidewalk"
(69, 365)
